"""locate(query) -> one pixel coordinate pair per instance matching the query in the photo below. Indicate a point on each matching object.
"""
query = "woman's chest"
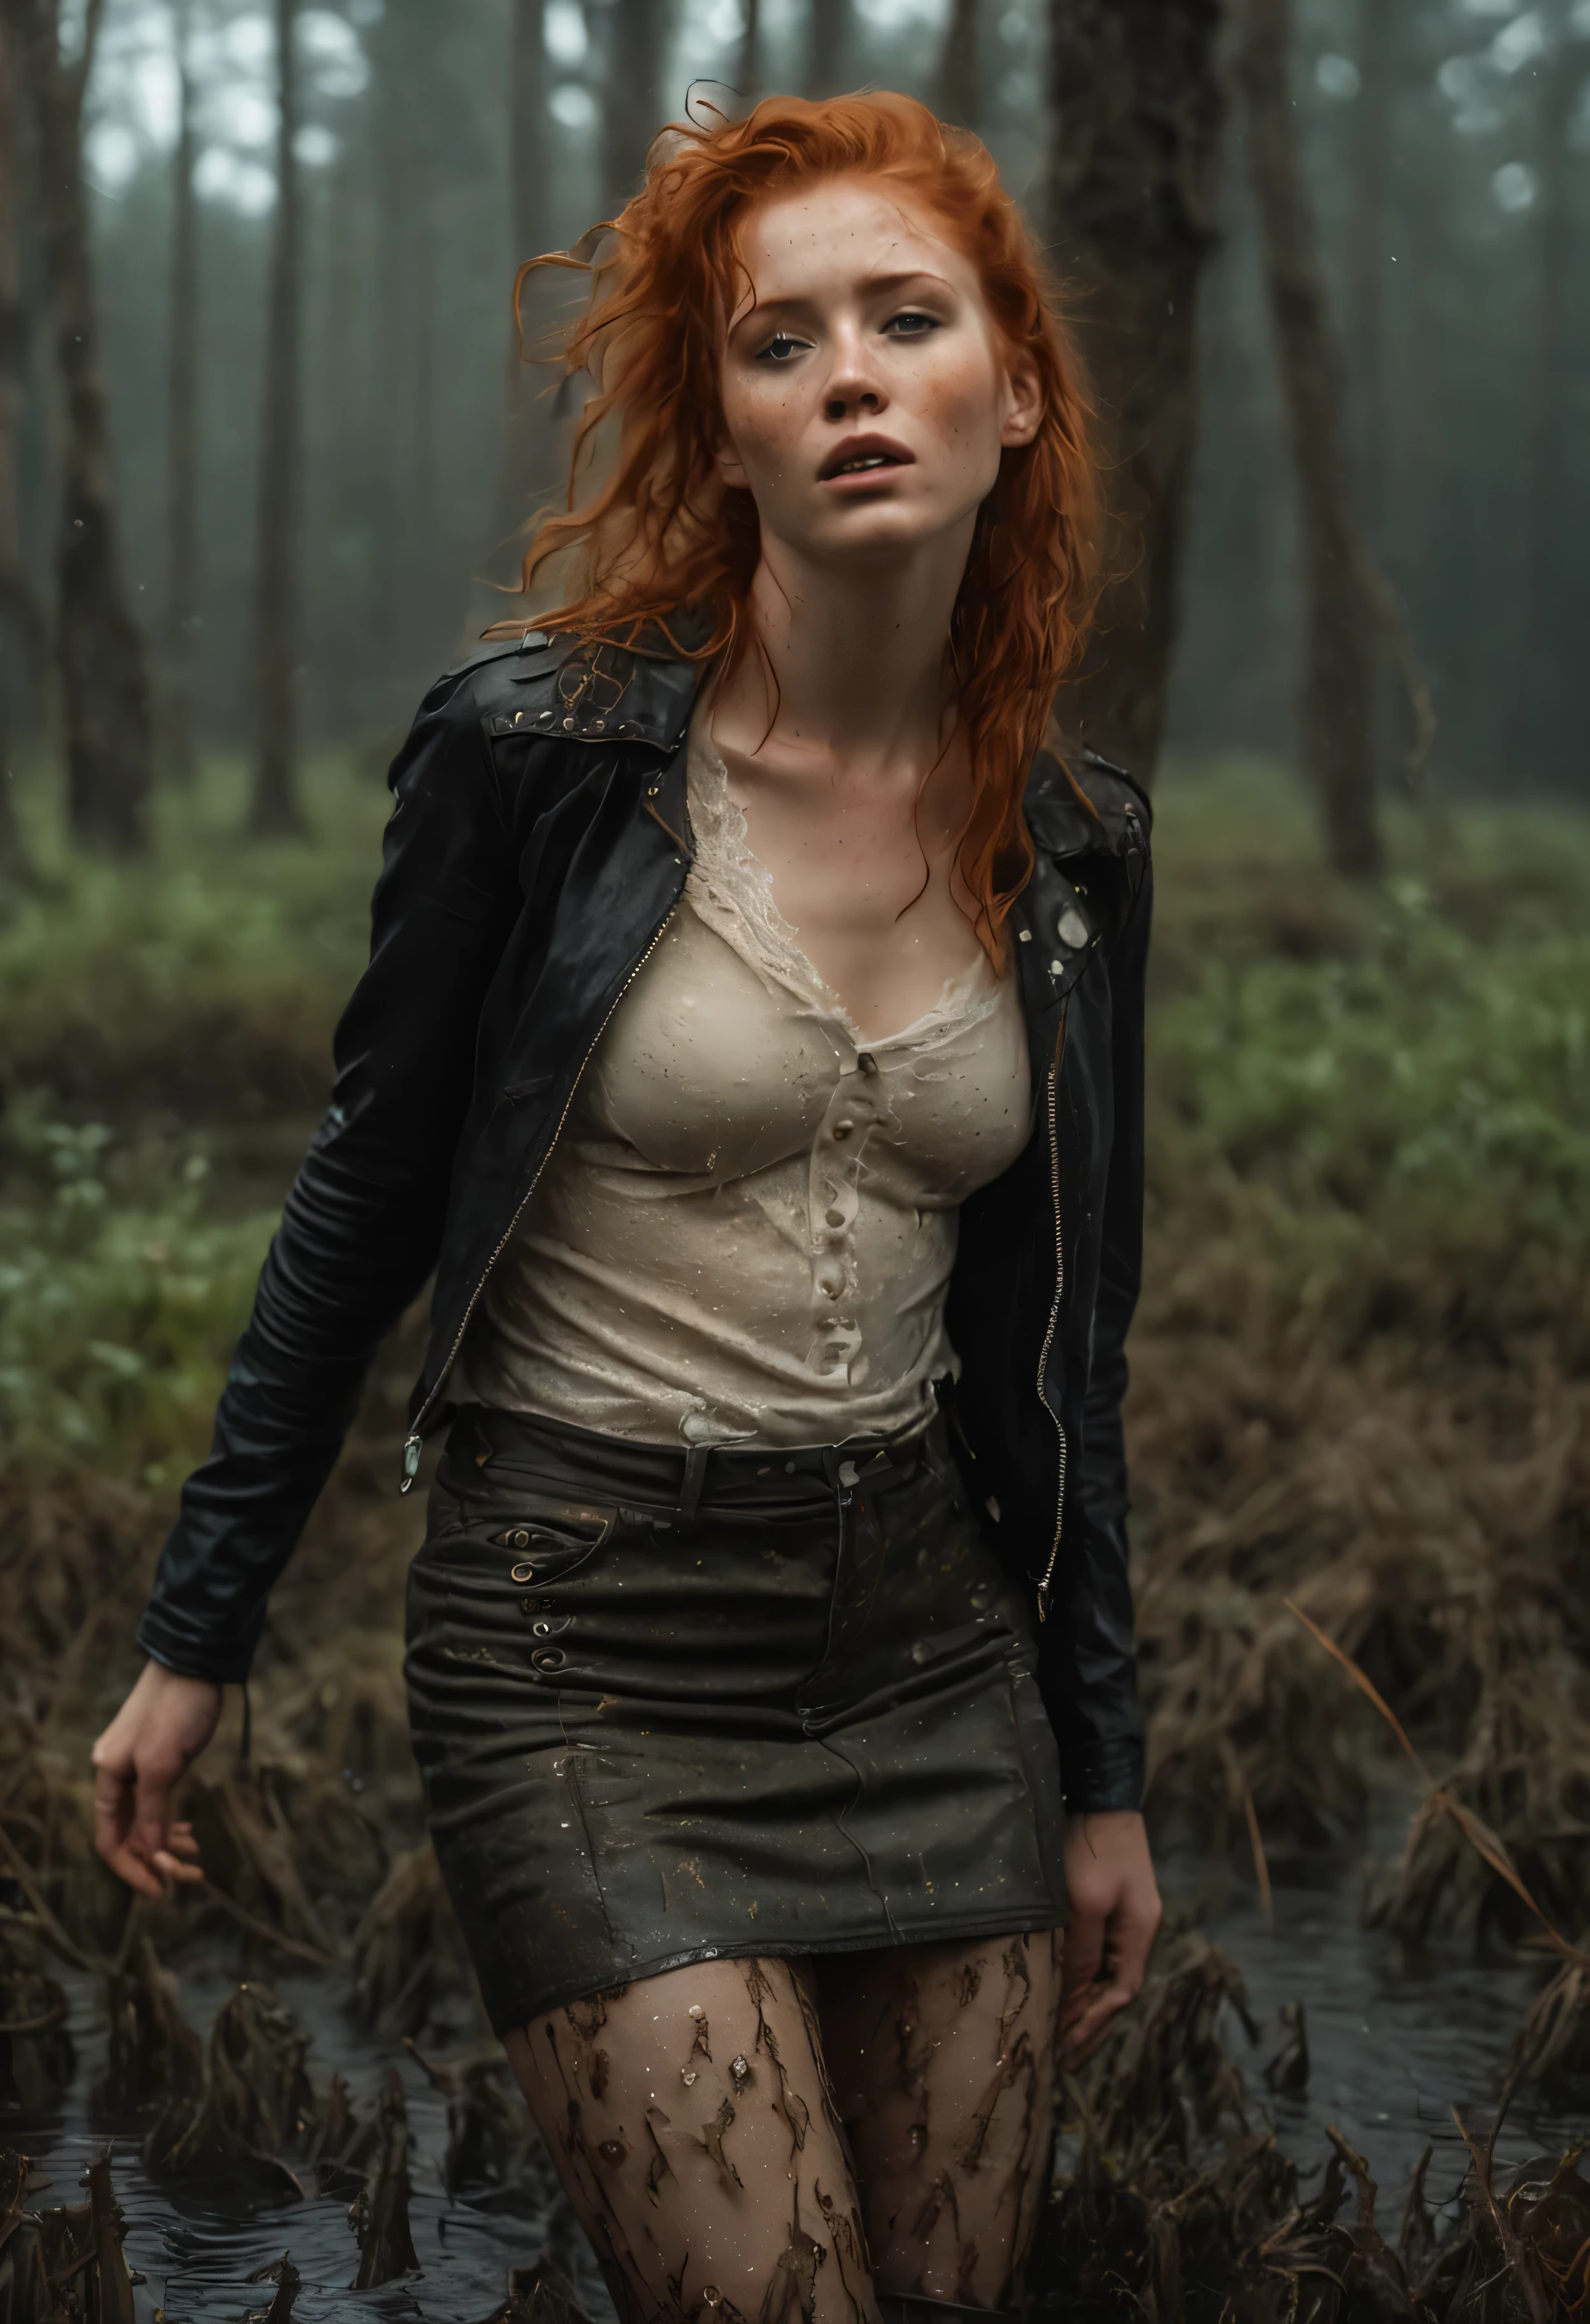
(713, 1068)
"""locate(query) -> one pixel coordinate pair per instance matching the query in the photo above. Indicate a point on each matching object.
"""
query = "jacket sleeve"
(363, 1224)
(1101, 1744)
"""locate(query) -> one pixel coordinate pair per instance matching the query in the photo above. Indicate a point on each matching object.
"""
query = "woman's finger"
(175, 1867)
(114, 1807)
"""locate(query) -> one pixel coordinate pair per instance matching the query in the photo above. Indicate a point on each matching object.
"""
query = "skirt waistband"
(485, 1437)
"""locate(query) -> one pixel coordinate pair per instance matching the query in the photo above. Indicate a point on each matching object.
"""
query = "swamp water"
(1394, 2046)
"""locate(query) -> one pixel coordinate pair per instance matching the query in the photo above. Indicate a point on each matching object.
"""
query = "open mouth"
(863, 456)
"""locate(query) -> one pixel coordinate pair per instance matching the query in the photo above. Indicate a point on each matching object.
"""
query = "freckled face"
(867, 396)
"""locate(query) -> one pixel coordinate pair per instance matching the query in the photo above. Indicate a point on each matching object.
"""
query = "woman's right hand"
(158, 1731)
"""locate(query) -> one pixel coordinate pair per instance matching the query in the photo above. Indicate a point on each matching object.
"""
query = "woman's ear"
(1024, 402)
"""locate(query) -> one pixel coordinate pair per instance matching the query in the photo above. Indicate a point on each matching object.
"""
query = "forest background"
(266, 442)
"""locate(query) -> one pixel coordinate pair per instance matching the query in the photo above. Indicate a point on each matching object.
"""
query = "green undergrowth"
(1381, 1095)
(205, 980)
(165, 1032)
(1387, 1087)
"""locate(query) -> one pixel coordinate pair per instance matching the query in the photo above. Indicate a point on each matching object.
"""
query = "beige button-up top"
(746, 1232)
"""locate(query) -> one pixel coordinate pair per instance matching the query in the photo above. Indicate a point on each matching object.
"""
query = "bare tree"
(1344, 607)
(1541, 658)
(825, 47)
(276, 812)
(528, 193)
(104, 684)
(633, 105)
(960, 95)
(748, 71)
(181, 430)
(1371, 175)
(1137, 120)
(21, 624)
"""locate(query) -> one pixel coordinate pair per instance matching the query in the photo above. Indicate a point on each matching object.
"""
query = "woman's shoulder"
(542, 685)
(1083, 804)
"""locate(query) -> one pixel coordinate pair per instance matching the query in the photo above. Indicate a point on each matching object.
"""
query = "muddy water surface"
(1394, 2046)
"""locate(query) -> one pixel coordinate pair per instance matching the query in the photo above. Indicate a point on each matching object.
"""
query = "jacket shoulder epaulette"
(1061, 823)
(564, 689)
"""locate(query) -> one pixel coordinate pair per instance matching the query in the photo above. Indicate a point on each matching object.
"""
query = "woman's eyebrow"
(793, 302)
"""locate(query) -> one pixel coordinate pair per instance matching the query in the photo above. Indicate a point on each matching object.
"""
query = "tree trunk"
(960, 90)
(390, 351)
(1138, 118)
(104, 686)
(1369, 228)
(528, 190)
(182, 607)
(1546, 653)
(276, 812)
(633, 107)
(1343, 614)
(747, 72)
(21, 627)
(825, 50)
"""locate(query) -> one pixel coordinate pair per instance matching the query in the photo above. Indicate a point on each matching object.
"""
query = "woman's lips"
(861, 462)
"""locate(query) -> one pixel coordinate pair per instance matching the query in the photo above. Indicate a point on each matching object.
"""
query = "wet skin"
(866, 340)
(888, 2123)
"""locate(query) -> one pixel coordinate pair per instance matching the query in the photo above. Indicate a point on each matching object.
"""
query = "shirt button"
(841, 1130)
(835, 1218)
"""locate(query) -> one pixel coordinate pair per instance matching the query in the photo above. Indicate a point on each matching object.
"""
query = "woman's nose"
(844, 400)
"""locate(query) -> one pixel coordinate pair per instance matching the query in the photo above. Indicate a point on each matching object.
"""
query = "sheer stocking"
(692, 2127)
(707, 2155)
(942, 2059)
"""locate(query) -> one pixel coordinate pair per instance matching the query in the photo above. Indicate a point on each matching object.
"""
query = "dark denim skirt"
(674, 1706)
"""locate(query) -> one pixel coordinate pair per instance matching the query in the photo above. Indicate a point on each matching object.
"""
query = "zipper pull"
(1045, 1598)
(411, 1463)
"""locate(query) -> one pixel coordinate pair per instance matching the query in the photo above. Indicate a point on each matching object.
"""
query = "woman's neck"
(852, 663)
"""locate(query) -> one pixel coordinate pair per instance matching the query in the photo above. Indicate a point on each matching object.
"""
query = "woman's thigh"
(941, 2061)
(693, 2125)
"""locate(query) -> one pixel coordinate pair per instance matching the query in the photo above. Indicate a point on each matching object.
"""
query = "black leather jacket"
(537, 845)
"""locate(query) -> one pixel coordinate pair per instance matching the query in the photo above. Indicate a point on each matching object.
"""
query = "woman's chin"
(877, 532)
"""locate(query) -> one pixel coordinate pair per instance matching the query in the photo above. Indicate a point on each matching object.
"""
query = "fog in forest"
(1446, 147)
(268, 454)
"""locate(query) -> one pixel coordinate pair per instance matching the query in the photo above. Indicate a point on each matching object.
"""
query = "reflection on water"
(199, 2258)
(1394, 2046)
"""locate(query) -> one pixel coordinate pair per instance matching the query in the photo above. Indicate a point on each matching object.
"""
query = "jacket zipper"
(413, 1442)
(1045, 1587)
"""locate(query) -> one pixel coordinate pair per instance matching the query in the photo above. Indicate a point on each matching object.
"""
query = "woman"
(752, 1042)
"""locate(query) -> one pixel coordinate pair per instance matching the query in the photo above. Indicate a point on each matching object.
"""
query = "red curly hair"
(663, 536)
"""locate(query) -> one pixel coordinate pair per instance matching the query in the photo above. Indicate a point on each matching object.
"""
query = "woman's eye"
(912, 326)
(780, 348)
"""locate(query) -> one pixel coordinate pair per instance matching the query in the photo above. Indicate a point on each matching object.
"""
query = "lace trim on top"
(731, 890)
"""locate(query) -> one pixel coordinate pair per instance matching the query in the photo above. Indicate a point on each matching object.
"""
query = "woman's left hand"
(1115, 1911)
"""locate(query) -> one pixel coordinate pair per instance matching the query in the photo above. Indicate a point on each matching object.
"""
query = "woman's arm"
(1109, 1877)
(363, 1223)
